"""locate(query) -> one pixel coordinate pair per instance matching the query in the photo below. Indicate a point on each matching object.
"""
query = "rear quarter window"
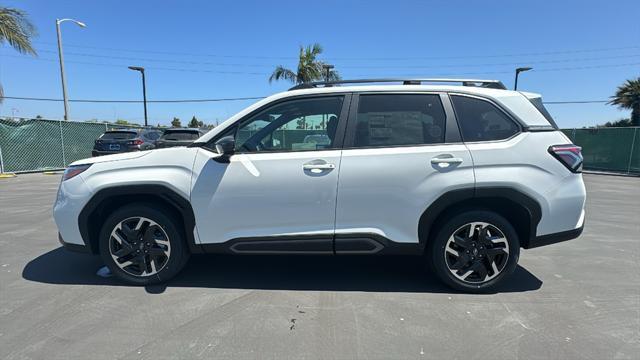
(480, 120)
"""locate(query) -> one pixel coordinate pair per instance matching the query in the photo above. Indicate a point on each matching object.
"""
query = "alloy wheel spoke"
(460, 241)
(479, 268)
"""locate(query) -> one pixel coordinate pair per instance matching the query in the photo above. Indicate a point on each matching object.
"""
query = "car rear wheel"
(475, 251)
(142, 245)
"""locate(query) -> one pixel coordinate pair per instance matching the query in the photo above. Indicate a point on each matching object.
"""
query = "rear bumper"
(555, 237)
(74, 247)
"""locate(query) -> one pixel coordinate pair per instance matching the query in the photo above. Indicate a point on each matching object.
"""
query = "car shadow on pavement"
(275, 272)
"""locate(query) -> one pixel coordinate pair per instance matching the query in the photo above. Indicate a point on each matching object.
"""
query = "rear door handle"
(318, 166)
(451, 160)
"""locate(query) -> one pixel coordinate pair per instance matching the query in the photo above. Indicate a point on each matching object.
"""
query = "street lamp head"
(79, 23)
(137, 68)
(521, 69)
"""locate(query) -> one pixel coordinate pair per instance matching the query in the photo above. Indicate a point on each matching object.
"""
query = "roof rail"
(493, 84)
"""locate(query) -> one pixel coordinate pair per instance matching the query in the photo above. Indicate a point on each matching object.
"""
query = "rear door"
(402, 151)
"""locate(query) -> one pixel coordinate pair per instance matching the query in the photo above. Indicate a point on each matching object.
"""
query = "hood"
(113, 157)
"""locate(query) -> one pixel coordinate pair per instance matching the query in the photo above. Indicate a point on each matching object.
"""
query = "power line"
(232, 99)
(404, 58)
(576, 102)
(349, 66)
(266, 74)
(135, 101)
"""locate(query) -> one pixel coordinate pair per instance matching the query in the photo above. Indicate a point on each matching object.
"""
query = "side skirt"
(340, 244)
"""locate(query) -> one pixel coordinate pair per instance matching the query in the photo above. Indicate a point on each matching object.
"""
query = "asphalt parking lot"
(574, 300)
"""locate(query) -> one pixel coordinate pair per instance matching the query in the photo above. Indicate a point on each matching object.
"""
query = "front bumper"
(72, 196)
(555, 237)
(74, 247)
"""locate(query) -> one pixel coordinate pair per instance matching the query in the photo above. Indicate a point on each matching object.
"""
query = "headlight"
(74, 170)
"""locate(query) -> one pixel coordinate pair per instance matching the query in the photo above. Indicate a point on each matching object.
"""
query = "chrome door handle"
(451, 160)
(318, 166)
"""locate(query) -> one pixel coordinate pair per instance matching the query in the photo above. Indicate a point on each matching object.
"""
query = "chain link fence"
(39, 144)
(36, 145)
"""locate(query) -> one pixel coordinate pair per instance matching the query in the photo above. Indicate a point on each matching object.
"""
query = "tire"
(469, 263)
(142, 245)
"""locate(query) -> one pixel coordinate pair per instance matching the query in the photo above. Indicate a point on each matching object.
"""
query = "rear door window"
(386, 120)
(480, 120)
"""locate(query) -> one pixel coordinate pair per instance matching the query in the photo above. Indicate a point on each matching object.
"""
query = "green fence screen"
(33, 145)
(609, 149)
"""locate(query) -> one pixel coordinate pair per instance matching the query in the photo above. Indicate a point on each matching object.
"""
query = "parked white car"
(462, 175)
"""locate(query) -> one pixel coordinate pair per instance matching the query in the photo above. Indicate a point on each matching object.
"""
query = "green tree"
(16, 30)
(309, 67)
(176, 123)
(628, 97)
(618, 123)
(194, 123)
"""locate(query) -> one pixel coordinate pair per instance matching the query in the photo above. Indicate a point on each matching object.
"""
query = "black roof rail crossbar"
(493, 84)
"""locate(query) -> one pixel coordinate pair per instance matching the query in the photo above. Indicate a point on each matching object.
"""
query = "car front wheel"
(141, 245)
(475, 251)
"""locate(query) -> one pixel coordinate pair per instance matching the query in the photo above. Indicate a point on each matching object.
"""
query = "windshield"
(180, 135)
(118, 135)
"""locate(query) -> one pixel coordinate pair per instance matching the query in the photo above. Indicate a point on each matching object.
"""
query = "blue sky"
(580, 50)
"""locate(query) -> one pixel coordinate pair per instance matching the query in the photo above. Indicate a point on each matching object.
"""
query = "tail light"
(136, 142)
(569, 155)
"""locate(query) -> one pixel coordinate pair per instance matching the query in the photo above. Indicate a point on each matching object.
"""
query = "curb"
(7, 175)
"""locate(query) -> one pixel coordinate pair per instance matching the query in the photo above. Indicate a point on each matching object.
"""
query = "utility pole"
(61, 57)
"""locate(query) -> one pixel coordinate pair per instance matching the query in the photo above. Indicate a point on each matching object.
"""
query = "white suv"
(463, 175)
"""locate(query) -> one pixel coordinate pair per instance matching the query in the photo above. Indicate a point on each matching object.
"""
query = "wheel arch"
(521, 210)
(107, 200)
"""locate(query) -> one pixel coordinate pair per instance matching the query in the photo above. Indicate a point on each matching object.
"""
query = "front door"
(278, 192)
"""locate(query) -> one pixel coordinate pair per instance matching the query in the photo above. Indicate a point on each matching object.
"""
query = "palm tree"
(309, 67)
(16, 30)
(628, 97)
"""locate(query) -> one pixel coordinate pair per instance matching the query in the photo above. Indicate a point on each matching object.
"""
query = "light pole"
(327, 71)
(144, 90)
(61, 56)
(518, 71)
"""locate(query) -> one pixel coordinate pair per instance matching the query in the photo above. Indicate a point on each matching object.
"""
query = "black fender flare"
(162, 193)
(478, 196)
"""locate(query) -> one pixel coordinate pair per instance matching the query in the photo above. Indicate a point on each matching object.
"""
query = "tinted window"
(118, 135)
(537, 102)
(152, 135)
(480, 120)
(396, 119)
(180, 135)
(295, 125)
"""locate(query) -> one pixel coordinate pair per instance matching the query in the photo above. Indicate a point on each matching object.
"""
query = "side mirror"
(226, 147)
